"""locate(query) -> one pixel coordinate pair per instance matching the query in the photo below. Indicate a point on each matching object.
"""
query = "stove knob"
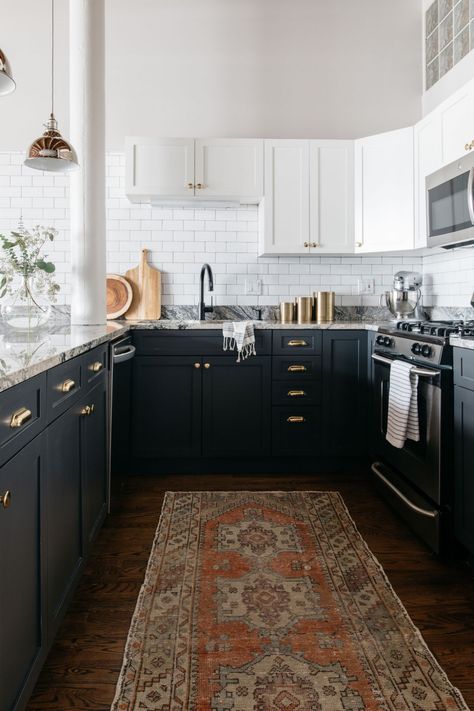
(379, 340)
(416, 348)
(387, 341)
(426, 351)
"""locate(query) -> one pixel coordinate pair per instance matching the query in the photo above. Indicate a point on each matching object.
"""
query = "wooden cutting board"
(146, 286)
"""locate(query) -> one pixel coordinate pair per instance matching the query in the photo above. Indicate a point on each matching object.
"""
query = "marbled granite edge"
(459, 342)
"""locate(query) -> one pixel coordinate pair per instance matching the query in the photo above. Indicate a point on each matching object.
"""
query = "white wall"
(270, 68)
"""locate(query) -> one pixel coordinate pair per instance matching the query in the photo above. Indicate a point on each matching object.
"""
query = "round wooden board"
(119, 295)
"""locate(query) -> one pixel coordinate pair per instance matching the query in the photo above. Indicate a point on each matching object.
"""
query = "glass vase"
(26, 308)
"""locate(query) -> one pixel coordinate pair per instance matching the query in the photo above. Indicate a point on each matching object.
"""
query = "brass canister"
(324, 306)
(304, 306)
(287, 312)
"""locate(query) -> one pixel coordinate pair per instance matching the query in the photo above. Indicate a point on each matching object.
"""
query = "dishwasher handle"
(123, 353)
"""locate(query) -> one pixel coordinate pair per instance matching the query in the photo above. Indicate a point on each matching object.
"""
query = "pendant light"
(51, 151)
(7, 85)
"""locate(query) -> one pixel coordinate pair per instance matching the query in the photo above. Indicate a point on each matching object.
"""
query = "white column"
(87, 135)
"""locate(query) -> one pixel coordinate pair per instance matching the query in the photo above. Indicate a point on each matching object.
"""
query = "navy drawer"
(297, 342)
(65, 385)
(94, 363)
(188, 342)
(296, 430)
(289, 392)
(463, 366)
(296, 368)
(22, 415)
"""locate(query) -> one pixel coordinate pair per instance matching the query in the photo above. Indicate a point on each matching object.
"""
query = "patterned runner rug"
(271, 601)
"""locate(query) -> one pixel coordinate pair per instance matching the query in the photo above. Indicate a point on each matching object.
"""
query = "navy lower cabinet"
(22, 575)
(236, 407)
(63, 512)
(345, 393)
(93, 410)
(166, 406)
(464, 447)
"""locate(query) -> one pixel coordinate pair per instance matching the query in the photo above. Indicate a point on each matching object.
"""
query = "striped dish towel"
(402, 420)
(239, 335)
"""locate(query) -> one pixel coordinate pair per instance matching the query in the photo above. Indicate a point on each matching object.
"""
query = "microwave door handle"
(470, 196)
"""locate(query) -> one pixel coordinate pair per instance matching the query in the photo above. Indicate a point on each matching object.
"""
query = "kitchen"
(253, 283)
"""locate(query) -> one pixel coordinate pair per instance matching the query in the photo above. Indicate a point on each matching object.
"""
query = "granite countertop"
(461, 342)
(26, 354)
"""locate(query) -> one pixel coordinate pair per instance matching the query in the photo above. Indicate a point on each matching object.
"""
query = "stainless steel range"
(417, 480)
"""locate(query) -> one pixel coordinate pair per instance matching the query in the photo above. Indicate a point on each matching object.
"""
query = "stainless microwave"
(450, 204)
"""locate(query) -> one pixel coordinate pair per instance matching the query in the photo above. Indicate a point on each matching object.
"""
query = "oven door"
(449, 204)
(418, 462)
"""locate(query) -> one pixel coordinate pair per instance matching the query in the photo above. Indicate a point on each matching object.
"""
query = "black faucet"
(203, 309)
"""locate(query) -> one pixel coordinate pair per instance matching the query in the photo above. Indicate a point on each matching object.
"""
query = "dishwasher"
(122, 352)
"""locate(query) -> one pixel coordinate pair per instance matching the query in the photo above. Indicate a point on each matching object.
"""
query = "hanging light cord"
(52, 57)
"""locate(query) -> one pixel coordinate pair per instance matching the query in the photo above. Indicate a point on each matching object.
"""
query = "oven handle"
(470, 195)
(398, 493)
(423, 372)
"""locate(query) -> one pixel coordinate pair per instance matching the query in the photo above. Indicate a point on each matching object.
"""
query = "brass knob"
(469, 146)
(190, 186)
(68, 385)
(295, 419)
(306, 244)
(315, 244)
(88, 410)
(95, 367)
(296, 393)
(207, 366)
(6, 499)
(199, 186)
(197, 365)
(358, 244)
(296, 368)
(20, 417)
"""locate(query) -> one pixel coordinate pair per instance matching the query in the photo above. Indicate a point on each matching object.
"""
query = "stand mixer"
(404, 299)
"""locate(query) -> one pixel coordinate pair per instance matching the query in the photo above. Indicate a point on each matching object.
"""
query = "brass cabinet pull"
(358, 244)
(315, 244)
(296, 368)
(6, 499)
(306, 244)
(469, 146)
(95, 367)
(199, 186)
(207, 366)
(20, 417)
(68, 385)
(197, 365)
(88, 410)
(296, 342)
(295, 419)
(296, 393)
(190, 186)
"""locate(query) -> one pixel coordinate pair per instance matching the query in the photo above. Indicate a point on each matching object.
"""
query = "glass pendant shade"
(7, 85)
(51, 151)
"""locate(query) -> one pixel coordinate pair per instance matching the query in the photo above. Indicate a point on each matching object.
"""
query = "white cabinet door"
(159, 166)
(428, 158)
(229, 168)
(384, 188)
(286, 202)
(332, 197)
(457, 123)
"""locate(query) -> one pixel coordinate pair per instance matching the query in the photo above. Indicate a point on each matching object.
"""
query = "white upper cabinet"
(331, 197)
(159, 166)
(286, 203)
(428, 158)
(384, 192)
(230, 168)
(187, 168)
(457, 123)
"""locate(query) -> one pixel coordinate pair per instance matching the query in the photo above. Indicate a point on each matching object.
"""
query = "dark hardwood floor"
(83, 666)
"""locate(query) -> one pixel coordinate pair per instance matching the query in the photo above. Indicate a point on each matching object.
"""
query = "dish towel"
(239, 335)
(402, 420)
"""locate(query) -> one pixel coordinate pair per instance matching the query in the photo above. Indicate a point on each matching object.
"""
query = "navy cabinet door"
(345, 401)
(236, 406)
(464, 458)
(93, 410)
(63, 506)
(22, 602)
(166, 406)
